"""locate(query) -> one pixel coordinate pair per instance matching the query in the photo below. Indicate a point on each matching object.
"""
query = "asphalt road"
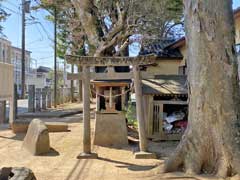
(22, 107)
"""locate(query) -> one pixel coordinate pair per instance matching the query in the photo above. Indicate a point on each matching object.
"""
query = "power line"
(11, 10)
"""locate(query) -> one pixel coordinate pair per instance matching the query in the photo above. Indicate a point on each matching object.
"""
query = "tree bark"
(211, 143)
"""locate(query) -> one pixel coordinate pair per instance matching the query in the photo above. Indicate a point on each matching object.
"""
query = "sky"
(39, 35)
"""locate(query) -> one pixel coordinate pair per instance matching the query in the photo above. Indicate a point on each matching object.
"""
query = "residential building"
(16, 57)
(41, 78)
(5, 51)
(13, 55)
(6, 81)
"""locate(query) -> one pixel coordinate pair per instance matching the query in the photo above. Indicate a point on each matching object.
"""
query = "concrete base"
(145, 155)
(87, 156)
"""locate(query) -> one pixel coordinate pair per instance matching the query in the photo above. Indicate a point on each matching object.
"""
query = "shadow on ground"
(52, 152)
(17, 137)
(130, 166)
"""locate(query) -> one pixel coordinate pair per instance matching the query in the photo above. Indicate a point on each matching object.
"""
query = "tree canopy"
(107, 28)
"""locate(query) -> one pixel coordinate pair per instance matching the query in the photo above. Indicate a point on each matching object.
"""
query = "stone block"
(36, 140)
(21, 126)
(57, 126)
(16, 173)
(145, 155)
(110, 129)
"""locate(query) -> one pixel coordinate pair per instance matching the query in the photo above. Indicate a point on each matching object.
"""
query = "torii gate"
(86, 62)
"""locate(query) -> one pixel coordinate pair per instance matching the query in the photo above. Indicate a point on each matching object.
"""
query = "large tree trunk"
(211, 143)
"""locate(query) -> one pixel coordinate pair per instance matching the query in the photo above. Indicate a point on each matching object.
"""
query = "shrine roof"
(166, 85)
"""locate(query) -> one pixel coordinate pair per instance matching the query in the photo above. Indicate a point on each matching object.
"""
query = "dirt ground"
(61, 162)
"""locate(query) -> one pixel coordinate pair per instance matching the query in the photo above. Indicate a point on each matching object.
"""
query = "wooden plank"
(172, 102)
(110, 61)
(150, 115)
(160, 119)
(107, 76)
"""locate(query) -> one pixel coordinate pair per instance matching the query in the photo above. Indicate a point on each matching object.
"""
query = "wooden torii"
(86, 62)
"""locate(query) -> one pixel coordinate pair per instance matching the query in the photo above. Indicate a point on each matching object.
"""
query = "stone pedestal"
(110, 129)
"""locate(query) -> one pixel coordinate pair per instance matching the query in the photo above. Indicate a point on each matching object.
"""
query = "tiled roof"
(161, 50)
(165, 85)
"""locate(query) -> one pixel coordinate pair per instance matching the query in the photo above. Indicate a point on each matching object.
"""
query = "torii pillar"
(143, 154)
(86, 154)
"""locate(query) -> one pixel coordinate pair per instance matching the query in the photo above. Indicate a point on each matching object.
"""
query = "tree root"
(187, 157)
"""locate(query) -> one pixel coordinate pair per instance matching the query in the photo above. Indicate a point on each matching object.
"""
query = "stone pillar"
(2, 112)
(49, 98)
(38, 99)
(143, 154)
(139, 107)
(86, 116)
(44, 98)
(31, 98)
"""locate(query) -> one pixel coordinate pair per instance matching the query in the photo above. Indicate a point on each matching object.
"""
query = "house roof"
(161, 50)
(166, 85)
(182, 41)
(43, 69)
(178, 43)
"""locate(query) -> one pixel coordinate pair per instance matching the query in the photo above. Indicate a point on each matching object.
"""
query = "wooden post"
(123, 97)
(38, 99)
(110, 98)
(150, 115)
(2, 112)
(31, 98)
(139, 107)
(97, 98)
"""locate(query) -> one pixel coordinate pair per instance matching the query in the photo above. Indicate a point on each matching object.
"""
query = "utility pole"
(23, 50)
(55, 57)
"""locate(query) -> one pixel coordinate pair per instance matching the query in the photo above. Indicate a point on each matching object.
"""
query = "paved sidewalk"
(64, 110)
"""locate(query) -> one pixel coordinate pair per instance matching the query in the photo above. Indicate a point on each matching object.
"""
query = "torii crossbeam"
(86, 62)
